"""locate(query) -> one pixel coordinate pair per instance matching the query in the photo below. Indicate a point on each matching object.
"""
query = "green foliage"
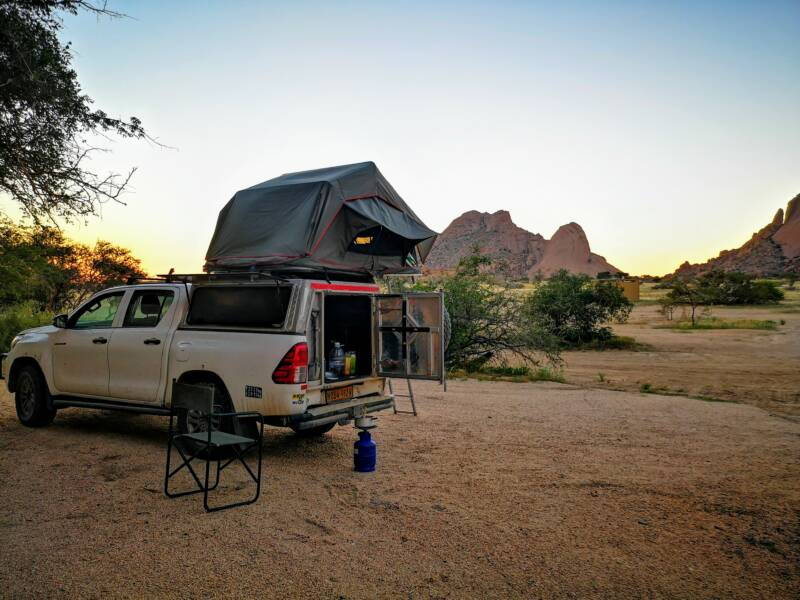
(14, 319)
(39, 265)
(492, 321)
(514, 374)
(508, 371)
(717, 323)
(720, 288)
(741, 288)
(46, 118)
(615, 342)
(576, 309)
(487, 319)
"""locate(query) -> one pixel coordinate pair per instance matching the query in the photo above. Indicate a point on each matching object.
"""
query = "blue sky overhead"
(670, 130)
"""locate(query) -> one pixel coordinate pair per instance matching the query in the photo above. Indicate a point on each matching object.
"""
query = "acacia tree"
(487, 319)
(719, 287)
(40, 265)
(46, 119)
(693, 293)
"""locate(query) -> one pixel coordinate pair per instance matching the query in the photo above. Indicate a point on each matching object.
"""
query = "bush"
(514, 374)
(721, 288)
(487, 321)
(716, 323)
(14, 319)
(576, 309)
(615, 342)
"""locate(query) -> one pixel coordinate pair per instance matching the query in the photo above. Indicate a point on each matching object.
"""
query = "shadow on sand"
(151, 431)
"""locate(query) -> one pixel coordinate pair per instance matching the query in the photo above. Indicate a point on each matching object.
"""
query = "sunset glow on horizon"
(668, 132)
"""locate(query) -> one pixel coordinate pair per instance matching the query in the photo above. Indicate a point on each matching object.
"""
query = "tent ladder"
(410, 396)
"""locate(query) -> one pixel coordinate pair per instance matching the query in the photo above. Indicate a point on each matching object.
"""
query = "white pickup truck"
(262, 342)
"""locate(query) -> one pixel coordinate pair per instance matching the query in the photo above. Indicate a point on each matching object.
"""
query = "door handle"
(99, 340)
(152, 341)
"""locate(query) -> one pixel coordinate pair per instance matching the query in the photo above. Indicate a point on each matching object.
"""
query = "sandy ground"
(750, 366)
(496, 490)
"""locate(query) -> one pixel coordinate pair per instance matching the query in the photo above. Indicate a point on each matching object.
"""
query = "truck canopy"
(346, 218)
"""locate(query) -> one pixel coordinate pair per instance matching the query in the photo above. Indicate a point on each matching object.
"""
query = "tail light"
(293, 367)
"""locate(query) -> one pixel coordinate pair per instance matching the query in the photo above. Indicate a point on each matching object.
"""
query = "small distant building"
(630, 288)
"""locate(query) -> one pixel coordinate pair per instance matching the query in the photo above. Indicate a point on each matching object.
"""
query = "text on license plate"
(342, 393)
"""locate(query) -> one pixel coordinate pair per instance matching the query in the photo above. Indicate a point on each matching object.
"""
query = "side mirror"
(60, 321)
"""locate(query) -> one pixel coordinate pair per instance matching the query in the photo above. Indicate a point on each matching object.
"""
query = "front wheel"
(32, 398)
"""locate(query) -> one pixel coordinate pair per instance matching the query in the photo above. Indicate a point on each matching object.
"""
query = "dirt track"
(496, 490)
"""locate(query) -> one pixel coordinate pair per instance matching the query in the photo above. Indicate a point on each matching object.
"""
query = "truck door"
(409, 338)
(80, 352)
(136, 352)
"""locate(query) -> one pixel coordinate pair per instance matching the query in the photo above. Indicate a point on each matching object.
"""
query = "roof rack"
(252, 275)
(197, 277)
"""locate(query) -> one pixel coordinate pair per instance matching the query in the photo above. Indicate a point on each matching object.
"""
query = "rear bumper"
(340, 412)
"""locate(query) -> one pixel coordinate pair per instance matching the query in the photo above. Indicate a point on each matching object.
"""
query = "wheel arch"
(18, 365)
(203, 376)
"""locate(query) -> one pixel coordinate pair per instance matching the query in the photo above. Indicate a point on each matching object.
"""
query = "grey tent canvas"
(346, 218)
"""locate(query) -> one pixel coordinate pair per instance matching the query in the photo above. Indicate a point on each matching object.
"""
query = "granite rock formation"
(515, 252)
(772, 250)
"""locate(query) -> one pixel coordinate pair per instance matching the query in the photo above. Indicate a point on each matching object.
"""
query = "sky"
(669, 131)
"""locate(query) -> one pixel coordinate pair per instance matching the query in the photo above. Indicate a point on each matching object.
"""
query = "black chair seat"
(200, 398)
(219, 439)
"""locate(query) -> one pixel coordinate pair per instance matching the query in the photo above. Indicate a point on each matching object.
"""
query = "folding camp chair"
(208, 445)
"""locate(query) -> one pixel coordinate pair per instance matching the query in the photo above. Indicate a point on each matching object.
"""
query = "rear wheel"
(313, 431)
(32, 398)
(191, 421)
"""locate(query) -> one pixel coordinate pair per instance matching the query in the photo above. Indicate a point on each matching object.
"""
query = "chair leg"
(256, 477)
(186, 463)
(205, 489)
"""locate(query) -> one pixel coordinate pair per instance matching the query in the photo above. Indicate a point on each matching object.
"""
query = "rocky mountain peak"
(788, 236)
(793, 209)
(772, 250)
(516, 253)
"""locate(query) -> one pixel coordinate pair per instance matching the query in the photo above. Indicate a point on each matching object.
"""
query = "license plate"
(342, 393)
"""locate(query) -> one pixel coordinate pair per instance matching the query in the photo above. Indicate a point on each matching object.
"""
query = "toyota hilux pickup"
(304, 353)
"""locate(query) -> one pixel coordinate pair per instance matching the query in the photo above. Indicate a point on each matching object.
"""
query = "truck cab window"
(147, 308)
(98, 313)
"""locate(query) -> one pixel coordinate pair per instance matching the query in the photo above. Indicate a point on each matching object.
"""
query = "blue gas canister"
(365, 453)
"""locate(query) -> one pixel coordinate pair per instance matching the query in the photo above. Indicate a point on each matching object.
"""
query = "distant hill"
(773, 250)
(515, 252)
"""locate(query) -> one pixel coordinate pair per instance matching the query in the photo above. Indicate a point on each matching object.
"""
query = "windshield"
(251, 306)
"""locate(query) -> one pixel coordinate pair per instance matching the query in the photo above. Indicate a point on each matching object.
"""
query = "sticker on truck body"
(252, 391)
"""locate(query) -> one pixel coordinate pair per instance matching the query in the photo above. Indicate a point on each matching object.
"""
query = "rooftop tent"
(346, 218)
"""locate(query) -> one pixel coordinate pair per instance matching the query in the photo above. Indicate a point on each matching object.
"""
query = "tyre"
(314, 431)
(32, 398)
(447, 327)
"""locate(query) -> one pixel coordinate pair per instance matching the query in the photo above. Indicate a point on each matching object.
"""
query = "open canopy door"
(409, 340)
